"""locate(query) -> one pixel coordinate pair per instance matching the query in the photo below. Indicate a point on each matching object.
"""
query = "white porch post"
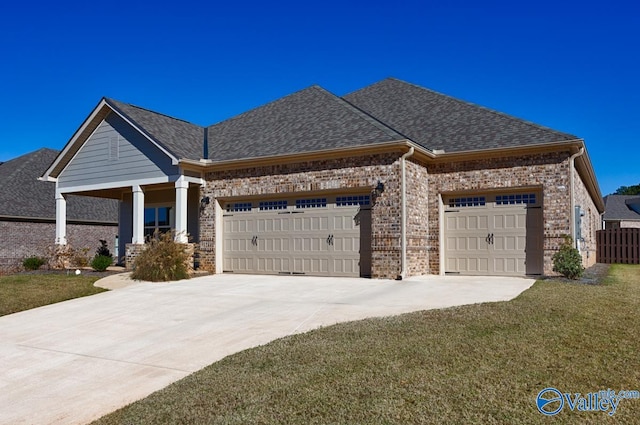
(61, 219)
(138, 215)
(182, 187)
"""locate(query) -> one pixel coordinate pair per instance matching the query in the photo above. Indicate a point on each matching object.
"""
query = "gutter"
(572, 215)
(403, 208)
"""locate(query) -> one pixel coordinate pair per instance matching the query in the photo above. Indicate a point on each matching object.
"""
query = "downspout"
(572, 216)
(403, 208)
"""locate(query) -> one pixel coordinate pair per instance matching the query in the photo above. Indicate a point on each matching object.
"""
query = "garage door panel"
(499, 236)
(313, 236)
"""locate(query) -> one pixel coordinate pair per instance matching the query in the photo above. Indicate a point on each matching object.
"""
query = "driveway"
(72, 362)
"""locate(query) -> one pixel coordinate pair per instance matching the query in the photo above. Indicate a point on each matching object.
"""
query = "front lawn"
(20, 292)
(480, 364)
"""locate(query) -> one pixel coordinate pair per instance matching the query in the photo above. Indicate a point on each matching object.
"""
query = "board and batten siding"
(115, 152)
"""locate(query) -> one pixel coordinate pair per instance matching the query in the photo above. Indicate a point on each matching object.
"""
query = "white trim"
(130, 183)
(137, 236)
(219, 246)
(46, 176)
(182, 188)
(174, 160)
(441, 227)
(90, 119)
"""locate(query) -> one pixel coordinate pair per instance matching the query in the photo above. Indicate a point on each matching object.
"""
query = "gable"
(115, 153)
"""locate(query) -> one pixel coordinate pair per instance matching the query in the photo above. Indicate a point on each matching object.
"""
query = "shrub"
(79, 257)
(33, 263)
(162, 260)
(103, 250)
(568, 261)
(101, 262)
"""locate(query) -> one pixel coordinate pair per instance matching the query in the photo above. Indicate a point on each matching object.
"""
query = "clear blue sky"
(570, 65)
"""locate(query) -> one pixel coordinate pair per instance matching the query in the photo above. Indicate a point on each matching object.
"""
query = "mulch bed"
(593, 275)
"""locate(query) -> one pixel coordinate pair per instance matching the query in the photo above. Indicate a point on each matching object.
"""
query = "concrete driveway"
(72, 362)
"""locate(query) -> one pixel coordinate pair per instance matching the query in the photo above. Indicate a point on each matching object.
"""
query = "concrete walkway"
(72, 362)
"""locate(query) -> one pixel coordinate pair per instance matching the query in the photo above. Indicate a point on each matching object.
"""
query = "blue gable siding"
(114, 153)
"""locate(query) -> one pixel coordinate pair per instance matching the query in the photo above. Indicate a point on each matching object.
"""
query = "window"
(311, 203)
(476, 201)
(239, 207)
(521, 198)
(273, 205)
(346, 201)
(157, 219)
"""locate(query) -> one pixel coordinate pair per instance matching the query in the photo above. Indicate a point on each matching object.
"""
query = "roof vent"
(438, 151)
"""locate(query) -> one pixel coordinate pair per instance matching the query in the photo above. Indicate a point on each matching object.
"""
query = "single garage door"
(494, 234)
(318, 235)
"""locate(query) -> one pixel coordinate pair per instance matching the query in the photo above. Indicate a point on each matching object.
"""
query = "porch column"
(138, 215)
(182, 187)
(61, 219)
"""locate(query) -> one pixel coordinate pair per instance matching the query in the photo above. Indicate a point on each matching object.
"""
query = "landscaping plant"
(103, 257)
(568, 261)
(33, 262)
(163, 260)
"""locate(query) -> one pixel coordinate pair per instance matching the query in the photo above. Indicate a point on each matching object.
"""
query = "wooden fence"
(618, 246)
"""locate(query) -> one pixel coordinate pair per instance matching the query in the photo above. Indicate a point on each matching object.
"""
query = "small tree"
(103, 257)
(567, 261)
(163, 260)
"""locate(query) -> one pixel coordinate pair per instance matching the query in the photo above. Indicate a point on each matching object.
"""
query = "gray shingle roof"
(181, 138)
(618, 207)
(436, 121)
(23, 195)
(309, 120)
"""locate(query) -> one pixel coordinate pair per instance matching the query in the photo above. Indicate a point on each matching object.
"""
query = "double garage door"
(319, 235)
(494, 234)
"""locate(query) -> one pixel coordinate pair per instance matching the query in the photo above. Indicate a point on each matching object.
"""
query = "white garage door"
(497, 234)
(320, 235)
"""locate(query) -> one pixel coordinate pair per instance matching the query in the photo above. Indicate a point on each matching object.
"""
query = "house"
(389, 181)
(28, 212)
(622, 211)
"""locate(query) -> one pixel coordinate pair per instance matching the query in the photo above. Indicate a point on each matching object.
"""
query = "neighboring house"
(622, 211)
(392, 180)
(28, 212)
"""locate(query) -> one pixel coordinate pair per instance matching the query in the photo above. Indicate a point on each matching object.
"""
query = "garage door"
(320, 235)
(497, 234)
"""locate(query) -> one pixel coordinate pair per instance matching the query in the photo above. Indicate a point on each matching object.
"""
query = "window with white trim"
(239, 207)
(516, 199)
(273, 205)
(346, 201)
(471, 201)
(311, 203)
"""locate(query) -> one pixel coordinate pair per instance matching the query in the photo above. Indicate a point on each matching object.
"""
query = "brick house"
(622, 211)
(28, 212)
(390, 181)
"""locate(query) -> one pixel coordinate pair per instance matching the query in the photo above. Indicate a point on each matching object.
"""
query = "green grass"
(479, 364)
(25, 291)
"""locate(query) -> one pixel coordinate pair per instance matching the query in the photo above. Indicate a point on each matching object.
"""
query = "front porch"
(144, 210)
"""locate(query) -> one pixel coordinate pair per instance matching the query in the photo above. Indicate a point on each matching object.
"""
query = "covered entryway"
(494, 234)
(312, 235)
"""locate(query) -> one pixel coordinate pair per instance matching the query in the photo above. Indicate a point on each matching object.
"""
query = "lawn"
(480, 364)
(25, 291)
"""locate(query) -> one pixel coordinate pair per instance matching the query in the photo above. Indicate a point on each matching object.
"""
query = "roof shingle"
(440, 122)
(618, 207)
(181, 138)
(309, 120)
(23, 195)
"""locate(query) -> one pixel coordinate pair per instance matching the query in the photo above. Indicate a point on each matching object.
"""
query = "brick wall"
(326, 175)
(24, 239)
(548, 172)
(590, 222)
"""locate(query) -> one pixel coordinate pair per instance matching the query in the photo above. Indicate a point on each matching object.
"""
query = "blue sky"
(571, 66)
